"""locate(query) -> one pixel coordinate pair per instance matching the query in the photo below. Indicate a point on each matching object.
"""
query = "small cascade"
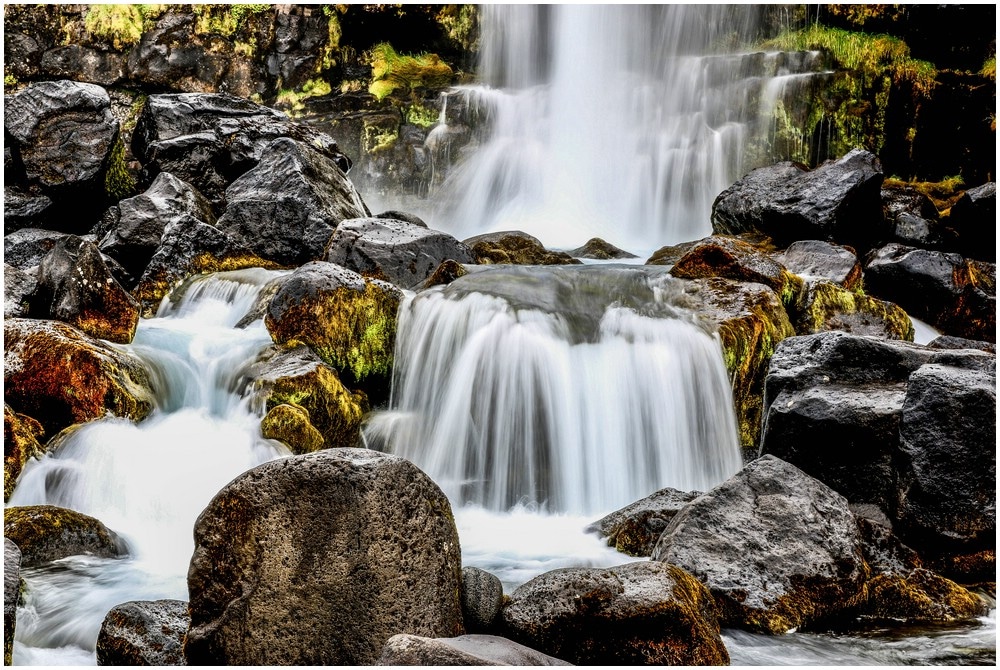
(574, 389)
(148, 482)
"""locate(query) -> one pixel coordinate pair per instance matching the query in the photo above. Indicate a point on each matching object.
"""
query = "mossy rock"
(514, 247)
(920, 596)
(290, 424)
(446, 273)
(45, 533)
(826, 306)
(20, 442)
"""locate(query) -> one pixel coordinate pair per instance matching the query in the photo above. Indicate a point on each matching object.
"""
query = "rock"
(751, 321)
(634, 529)
(144, 632)
(727, 257)
(350, 321)
(21, 210)
(777, 548)
(21, 435)
(142, 220)
(402, 216)
(827, 306)
(64, 132)
(395, 251)
(671, 254)
(290, 424)
(953, 294)
(838, 201)
(84, 63)
(25, 248)
(18, 288)
(44, 358)
(950, 342)
(514, 247)
(639, 613)
(446, 273)
(191, 247)
(75, 286)
(599, 249)
(11, 595)
(819, 260)
(974, 217)
(482, 598)
(919, 596)
(914, 219)
(320, 559)
(45, 533)
(287, 207)
(463, 650)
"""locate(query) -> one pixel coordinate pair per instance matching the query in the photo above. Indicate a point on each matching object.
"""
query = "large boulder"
(21, 435)
(11, 595)
(838, 201)
(640, 613)
(397, 251)
(76, 286)
(634, 529)
(44, 358)
(823, 305)
(45, 533)
(952, 293)
(287, 207)
(816, 260)
(319, 559)
(142, 632)
(463, 650)
(516, 248)
(974, 218)
(777, 548)
(349, 320)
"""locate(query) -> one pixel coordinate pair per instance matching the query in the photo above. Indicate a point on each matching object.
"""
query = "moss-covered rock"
(919, 596)
(55, 372)
(20, 442)
(826, 306)
(515, 248)
(290, 424)
(634, 530)
(46, 533)
(446, 273)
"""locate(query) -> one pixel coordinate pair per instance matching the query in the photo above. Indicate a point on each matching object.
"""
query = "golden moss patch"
(392, 71)
(20, 442)
(826, 306)
(121, 25)
(290, 424)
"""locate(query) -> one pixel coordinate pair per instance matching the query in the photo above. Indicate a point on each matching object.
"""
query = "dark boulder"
(396, 251)
(143, 632)
(819, 260)
(599, 249)
(23, 210)
(18, 288)
(21, 435)
(462, 650)
(645, 613)
(838, 201)
(974, 218)
(634, 529)
(402, 216)
(669, 255)
(914, 219)
(482, 598)
(516, 248)
(777, 548)
(83, 63)
(446, 273)
(949, 292)
(26, 247)
(287, 207)
(320, 559)
(45, 533)
(951, 342)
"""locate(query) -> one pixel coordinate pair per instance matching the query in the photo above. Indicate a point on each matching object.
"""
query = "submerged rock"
(20, 442)
(11, 595)
(320, 559)
(634, 530)
(482, 598)
(143, 632)
(463, 650)
(641, 613)
(45, 533)
(516, 248)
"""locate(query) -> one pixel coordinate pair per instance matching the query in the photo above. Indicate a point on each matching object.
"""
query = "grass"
(392, 71)
(121, 25)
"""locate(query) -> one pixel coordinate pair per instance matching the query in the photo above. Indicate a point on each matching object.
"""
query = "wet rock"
(350, 321)
(323, 557)
(287, 207)
(290, 424)
(482, 598)
(951, 293)
(818, 260)
(446, 273)
(599, 249)
(838, 201)
(84, 63)
(142, 220)
(974, 217)
(634, 529)
(914, 219)
(44, 358)
(395, 251)
(402, 216)
(21, 210)
(950, 342)
(25, 248)
(11, 595)
(462, 650)
(639, 613)
(777, 548)
(45, 533)
(826, 306)
(21, 435)
(671, 254)
(18, 288)
(144, 632)
(75, 286)
(516, 248)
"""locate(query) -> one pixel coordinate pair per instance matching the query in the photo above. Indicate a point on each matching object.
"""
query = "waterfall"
(575, 389)
(608, 120)
(147, 482)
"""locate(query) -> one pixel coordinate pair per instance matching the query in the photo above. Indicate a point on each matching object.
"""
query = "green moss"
(121, 25)
(333, 35)
(9, 81)
(380, 139)
(421, 116)
(825, 305)
(295, 100)
(392, 71)
(461, 23)
(118, 181)
(290, 424)
(989, 69)
(224, 20)
(944, 194)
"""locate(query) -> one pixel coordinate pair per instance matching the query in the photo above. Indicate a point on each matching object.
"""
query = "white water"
(148, 482)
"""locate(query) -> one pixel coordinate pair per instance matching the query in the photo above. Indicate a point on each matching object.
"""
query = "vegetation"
(122, 25)
(461, 22)
(943, 194)
(295, 100)
(392, 71)
(989, 68)
(224, 19)
(421, 116)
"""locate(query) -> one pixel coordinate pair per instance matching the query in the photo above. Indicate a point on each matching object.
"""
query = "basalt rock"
(446, 273)
(482, 598)
(915, 220)
(83, 63)
(974, 217)
(45, 533)
(22, 210)
(11, 595)
(395, 251)
(777, 548)
(634, 529)
(143, 632)
(26, 247)
(838, 201)
(640, 613)
(18, 288)
(954, 294)
(671, 254)
(21, 435)
(816, 260)
(320, 559)
(44, 358)
(462, 650)
(950, 342)
(826, 306)
(287, 207)
(599, 249)
(516, 248)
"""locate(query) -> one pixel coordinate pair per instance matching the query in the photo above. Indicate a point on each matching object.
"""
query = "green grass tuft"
(392, 71)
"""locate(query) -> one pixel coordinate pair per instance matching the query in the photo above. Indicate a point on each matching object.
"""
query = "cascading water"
(149, 481)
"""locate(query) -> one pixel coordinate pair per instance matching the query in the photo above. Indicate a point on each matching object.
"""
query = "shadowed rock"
(45, 533)
(144, 632)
